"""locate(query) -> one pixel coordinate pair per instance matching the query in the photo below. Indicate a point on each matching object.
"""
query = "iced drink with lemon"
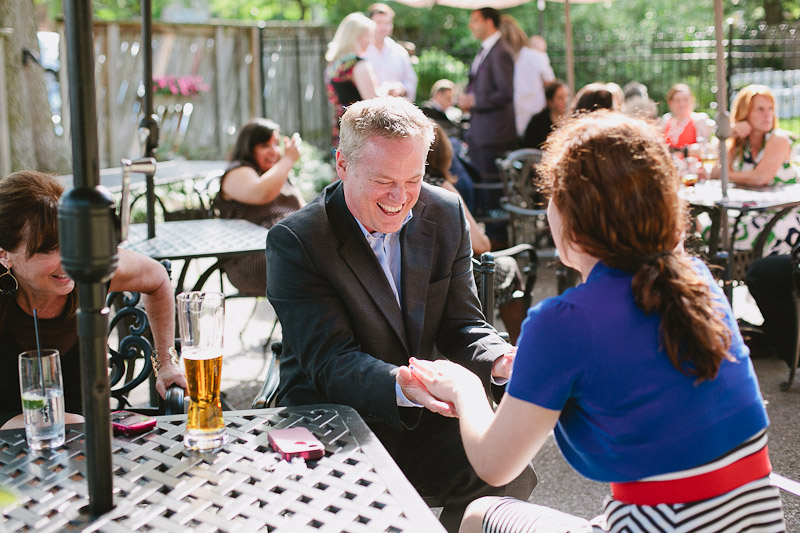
(42, 392)
(44, 418)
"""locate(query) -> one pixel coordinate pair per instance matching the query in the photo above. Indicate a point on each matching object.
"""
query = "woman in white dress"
(532, 71)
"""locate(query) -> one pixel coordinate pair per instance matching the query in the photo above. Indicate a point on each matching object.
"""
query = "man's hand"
(169, 374)
(415, 391)
(466, 101)
(447, 381)
(502, 366)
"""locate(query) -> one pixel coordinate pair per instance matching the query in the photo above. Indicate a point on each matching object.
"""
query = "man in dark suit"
(489, 99)
(375, 270)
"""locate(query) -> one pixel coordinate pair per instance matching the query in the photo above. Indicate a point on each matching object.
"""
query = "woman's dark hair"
(440, 156)
(591, 97)
(253, 133)
(616, 188)
(551, 88)
(29, 217)
(29, 211)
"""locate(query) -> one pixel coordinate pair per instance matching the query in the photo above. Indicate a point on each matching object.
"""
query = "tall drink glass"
(42, 388)
(201, 320)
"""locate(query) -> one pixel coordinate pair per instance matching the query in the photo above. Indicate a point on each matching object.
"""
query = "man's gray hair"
(390, 117)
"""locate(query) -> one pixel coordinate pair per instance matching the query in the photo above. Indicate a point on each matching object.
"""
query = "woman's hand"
(168, 375)
(741, 129)
(446, 380)
(416, 392)
(292, 147)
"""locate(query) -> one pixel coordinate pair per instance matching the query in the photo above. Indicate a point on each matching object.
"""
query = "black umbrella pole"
(93, 330)
(149, 121)
(88, 250)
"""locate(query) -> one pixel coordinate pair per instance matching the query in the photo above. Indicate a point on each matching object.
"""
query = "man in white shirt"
(389, 59)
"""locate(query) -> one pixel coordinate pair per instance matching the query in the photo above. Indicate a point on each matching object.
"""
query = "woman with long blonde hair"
(348, 77)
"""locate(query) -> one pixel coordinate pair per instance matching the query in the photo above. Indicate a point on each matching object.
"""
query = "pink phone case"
(296, 442)
(129, 423)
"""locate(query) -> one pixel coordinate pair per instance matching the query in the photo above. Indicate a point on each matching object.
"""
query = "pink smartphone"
(129, 423)
(296, 442)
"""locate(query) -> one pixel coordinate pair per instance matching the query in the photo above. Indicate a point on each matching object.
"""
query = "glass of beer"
(201, 320)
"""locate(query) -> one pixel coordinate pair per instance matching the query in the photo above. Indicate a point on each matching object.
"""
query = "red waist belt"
(694, 488)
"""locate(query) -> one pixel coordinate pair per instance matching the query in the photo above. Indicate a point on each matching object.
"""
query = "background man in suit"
(490, 93)
(489, 99)
(375, 270)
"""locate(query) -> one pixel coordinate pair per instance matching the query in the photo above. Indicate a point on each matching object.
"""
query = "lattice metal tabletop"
(166, 172)
(161, 486)
(191, 239)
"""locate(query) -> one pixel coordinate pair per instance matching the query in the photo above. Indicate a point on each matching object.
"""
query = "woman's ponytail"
(692, 333)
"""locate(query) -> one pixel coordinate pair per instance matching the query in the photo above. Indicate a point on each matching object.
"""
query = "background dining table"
(706, 196)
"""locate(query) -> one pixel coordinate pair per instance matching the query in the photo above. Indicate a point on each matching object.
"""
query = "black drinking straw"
(39, 351)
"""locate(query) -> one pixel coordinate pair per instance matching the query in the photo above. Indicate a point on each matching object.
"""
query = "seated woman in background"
(640, 370)
(348, 77)
(31, 278)
(557, 96)
(507, 277)
(682, 126)
(759, 154)
(256, 187)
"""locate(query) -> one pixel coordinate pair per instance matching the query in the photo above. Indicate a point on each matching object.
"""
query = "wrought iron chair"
(795, 258)
(129, 362)
(527, 209)
(269, 389)
(208, 191)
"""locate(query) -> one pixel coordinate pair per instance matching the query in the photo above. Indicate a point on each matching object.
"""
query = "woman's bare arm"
(136, 272)
(245, 185)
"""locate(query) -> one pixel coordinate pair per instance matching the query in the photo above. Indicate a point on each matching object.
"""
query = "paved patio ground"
(244, 368)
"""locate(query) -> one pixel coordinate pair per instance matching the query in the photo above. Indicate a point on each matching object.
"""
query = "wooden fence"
(5, 141)
(250, 70)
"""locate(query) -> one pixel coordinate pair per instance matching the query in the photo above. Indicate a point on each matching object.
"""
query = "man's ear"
(341, 165)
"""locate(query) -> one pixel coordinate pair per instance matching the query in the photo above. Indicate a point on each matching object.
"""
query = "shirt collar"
(377, 234)
(490, 41)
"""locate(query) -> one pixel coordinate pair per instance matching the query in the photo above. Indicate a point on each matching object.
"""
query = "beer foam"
(201, 354)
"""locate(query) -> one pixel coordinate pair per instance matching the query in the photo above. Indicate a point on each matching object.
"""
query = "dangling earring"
(9, 278)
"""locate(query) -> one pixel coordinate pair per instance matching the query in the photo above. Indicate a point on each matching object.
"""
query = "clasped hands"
(436, 385)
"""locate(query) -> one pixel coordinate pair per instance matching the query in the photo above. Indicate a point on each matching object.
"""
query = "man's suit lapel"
(417, 242)
(361, 260)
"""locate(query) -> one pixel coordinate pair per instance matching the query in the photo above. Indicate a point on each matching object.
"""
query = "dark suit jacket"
(492, 122)
(451, 129)
(343, 333)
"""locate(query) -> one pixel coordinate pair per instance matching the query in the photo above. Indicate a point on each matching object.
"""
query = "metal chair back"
(129, 360)
(523, 200)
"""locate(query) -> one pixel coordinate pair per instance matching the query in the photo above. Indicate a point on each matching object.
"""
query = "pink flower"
(188, 86)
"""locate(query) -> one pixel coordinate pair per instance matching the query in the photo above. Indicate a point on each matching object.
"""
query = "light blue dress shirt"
(386, 247)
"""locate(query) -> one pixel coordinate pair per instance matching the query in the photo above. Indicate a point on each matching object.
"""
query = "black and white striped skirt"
(754, 507)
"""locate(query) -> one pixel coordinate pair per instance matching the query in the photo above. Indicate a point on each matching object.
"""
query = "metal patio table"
(194, 239)
(707, 196)
(166, 172)
(159, 485)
